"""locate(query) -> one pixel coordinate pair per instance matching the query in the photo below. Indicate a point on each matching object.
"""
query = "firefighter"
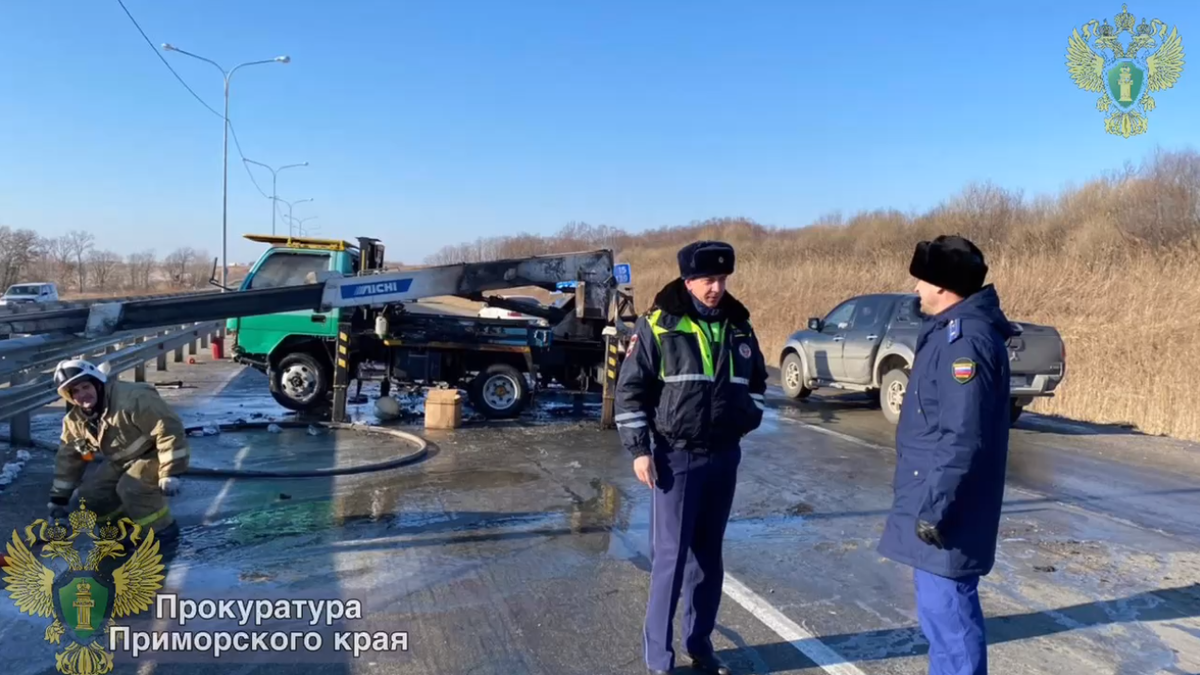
(690, 388)
(137, 440)
(951, 452)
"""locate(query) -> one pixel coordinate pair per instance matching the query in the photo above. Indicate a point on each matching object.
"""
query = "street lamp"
(290, 205)
(274, 175)
(299, 222)
(225, 152)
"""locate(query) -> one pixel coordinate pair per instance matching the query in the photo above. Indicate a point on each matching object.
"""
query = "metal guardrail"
(41, 351)
(28, 392)
(26, 308)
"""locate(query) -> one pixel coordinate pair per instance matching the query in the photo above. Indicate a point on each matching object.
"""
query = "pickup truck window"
(840, 315)
(290, 269)
(869, 314)
(907, 311)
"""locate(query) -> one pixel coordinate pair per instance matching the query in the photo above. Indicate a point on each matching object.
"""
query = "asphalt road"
(521, 547)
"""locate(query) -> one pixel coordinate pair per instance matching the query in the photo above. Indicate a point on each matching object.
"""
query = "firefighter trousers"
(112, 492)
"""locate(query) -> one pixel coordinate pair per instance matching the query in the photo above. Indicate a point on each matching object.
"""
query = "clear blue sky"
(437, 122)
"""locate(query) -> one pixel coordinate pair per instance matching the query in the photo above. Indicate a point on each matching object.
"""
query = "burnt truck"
(868, 344)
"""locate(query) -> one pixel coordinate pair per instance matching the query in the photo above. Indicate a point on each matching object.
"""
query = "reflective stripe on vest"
(707, 335)
(134, 449)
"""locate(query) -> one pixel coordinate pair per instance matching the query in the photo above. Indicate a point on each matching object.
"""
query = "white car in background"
(489, 312)
(28, 294)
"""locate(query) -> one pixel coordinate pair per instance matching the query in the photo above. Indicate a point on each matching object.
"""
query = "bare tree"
(103, 267)
(179, 264)
(141, 269)
(199, 271)
(76, 245)
(53, 263)
(18, 254)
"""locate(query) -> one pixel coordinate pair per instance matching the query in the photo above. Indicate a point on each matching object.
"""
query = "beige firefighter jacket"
(136, 423)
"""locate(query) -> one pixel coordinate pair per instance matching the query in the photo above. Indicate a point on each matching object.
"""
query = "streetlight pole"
(225, 152)
(299, 222)
(290, 205)
(274, 175)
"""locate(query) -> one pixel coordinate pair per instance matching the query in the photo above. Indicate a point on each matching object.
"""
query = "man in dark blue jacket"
(952, 451)
(691, 386)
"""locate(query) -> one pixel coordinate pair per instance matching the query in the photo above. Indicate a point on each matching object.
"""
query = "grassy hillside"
(1113, 264)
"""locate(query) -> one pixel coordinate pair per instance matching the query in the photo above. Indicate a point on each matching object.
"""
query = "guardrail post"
(192, 346)
(110, 349)
(204, 340)
(20, 427)
(179, 354)
(139, 371)
(162, 356)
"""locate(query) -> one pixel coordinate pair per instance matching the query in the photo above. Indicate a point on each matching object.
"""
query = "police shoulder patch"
(964, 370)
(744, 350)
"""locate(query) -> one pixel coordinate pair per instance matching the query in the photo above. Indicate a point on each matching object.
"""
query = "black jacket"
(681, 389)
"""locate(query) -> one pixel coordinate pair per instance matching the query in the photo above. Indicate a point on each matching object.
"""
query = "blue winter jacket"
(952, 441)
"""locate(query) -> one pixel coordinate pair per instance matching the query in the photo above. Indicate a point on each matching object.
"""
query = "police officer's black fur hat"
(951, 262)
(705, 259)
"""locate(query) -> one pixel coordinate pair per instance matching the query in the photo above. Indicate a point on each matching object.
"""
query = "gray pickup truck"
(867, 344)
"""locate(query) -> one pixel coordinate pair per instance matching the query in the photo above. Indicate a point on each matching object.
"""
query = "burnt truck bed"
(867, 343)
(498, 361)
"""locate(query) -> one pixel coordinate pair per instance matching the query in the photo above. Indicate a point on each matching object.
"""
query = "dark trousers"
(688, 514)
(952, 621)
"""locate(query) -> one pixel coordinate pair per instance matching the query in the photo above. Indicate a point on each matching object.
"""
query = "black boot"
(710, 664)
(168, 542)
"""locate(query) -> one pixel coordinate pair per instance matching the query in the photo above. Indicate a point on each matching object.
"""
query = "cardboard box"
(443, 409)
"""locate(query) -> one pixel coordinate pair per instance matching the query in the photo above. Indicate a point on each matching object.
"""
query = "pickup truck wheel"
(301, 382)
(891, 394)
(791, 376)
(500, 391)
(1015, 409)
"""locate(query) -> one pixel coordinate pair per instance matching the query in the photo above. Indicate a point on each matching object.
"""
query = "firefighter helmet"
(70, 372)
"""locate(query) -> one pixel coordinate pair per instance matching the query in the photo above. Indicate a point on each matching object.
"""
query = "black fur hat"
(951, 262)
(705, 259)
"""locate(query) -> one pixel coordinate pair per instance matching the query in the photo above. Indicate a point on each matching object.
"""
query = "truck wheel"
(499, 392)
(301, 382)
(791, 377)
(891, 394)
(1015, 409)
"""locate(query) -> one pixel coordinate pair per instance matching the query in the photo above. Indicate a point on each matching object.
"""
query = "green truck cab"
(295, 348)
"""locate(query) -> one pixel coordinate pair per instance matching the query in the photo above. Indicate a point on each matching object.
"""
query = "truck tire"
(791, 376)
(891, 393)
(1015, 409)
(499, 391)
(301, 382)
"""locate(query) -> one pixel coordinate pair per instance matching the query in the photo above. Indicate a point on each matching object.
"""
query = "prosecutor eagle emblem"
(1125, 74)
(88, 596)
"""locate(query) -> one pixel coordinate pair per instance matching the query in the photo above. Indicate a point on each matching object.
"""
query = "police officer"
(690, 387)
(137, 440)
(952, 449)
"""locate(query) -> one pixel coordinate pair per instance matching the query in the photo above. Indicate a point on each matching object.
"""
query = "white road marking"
(837, 434)
(801, 640)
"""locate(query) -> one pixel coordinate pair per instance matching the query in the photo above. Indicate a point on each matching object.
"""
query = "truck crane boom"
(592, 270)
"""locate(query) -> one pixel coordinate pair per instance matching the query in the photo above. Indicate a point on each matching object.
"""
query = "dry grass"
(1113, 265)
(1123, 324)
